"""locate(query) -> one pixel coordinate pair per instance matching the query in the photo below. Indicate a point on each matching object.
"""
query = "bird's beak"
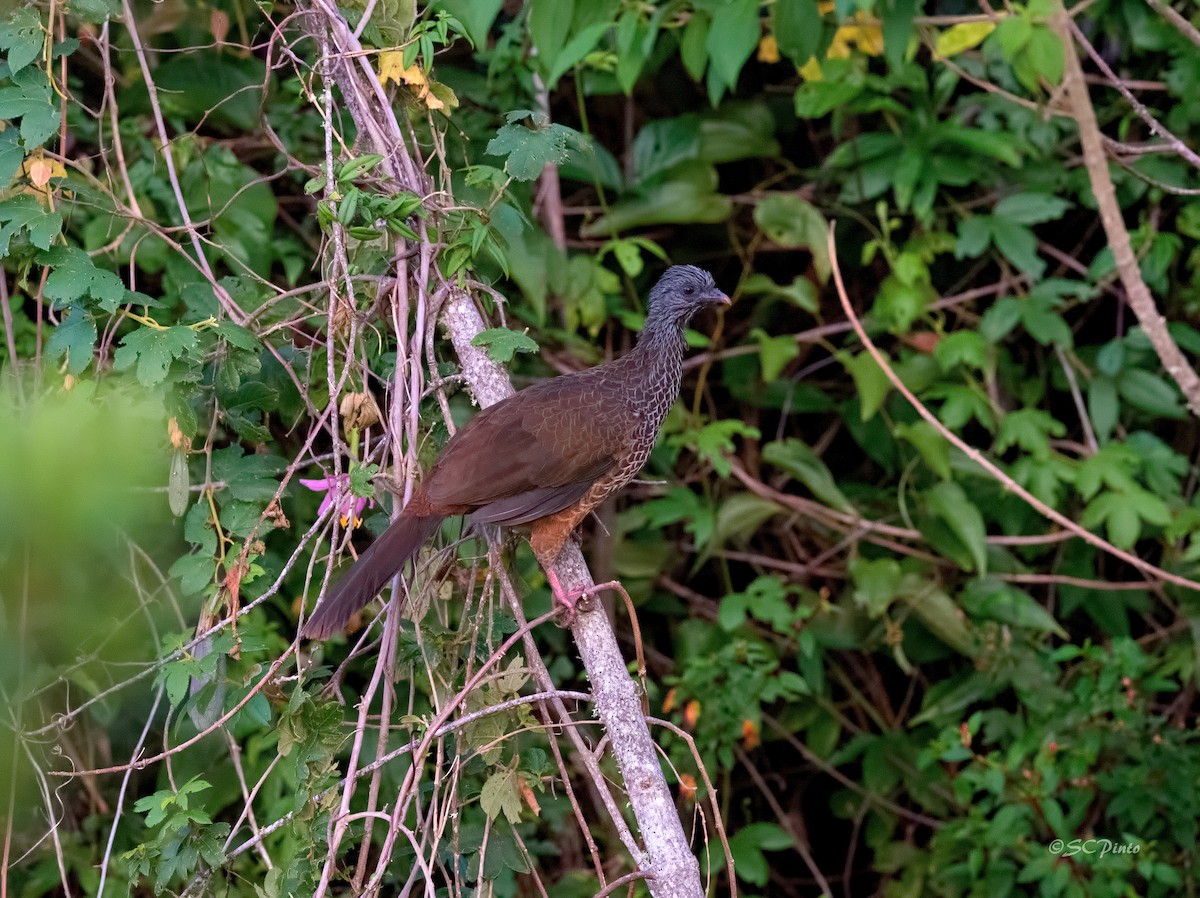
(716, 297)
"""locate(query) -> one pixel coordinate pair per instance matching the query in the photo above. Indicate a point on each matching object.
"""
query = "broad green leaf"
(774, 352)
(1013, 33)
(733, 37)
(799, 460)
(21, 38)
(1002, 602)
(944, 619)
(24, 213)
(934, 448)
(1031, 208)
(687, 195)
(1045, 52)
(74, 276)
(948, 502)
(153, 350)
(501, 795)
(791, 221)
(549, 24)
(797, 29)
(531, 149)
(870, 381)
(502, 344)
(28, 98)
(738, 517)
(1150, 393)
(476, 16)
(75, 338)
(1019, 244)
(876, 583)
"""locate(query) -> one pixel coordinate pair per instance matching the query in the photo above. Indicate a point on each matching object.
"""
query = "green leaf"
(476, 16)
(944, 619)
(531, 149)
(1004, 603)
(74, 276)
(21, 37)
(799, 460)
(692, 46)
(797, 29)
(734, 35)
(687, 195)
(549, 24)
(153, 350)
(501, 794)
(870, 381)
(1045, 52)
(934, 448)
(29, 99)
(875, 583)
(502, 344)
(791, 221)
(1018, 244)
(75, 338)
(998, 321)
(24, 213)
(578, 47)
(774, 352)
(738, 517)
(1031, 208)
(1103, 406)
(1012, 34)
(948, 502)
(1150, 393)
(712, 441)
(249, 478)
(1029, 428)
(961, 348)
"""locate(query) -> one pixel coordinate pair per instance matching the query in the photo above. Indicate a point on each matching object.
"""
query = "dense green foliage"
(898, 674)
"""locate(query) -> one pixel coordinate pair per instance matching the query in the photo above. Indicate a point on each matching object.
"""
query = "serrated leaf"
(153, 350)
(502, 344)
(501, 794)
(528, 150)
(22, 38)
(74, 276)
(29, 98)
(24, 213)
(75, 338)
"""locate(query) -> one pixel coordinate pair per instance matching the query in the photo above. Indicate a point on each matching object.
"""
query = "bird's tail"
(374, 568)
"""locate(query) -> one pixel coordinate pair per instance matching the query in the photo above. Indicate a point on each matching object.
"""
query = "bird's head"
(682, 291)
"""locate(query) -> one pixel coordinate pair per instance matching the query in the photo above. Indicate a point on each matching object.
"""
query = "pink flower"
(337, 492)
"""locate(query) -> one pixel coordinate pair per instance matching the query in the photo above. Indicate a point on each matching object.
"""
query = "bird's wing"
(562, 434)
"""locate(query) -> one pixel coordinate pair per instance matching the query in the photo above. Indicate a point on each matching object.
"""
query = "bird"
(544, 457)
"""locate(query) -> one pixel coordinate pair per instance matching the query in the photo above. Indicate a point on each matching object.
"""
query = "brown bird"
(544, 457)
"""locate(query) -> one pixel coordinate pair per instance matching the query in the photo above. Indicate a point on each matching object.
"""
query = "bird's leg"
(568, 600)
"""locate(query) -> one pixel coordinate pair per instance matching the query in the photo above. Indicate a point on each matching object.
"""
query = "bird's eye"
(689, 290)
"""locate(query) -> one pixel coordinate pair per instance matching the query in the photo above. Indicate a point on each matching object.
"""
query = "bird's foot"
(579, 599)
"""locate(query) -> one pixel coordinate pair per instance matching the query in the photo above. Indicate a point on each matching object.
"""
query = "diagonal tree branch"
(1094, 157)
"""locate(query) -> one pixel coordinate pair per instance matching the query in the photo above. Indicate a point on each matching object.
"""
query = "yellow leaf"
(768, 49)
(391, 67)
(811, 70)
(40, 170)
(962, 37)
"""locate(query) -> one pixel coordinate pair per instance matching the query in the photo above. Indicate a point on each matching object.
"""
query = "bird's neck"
(660, 348)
